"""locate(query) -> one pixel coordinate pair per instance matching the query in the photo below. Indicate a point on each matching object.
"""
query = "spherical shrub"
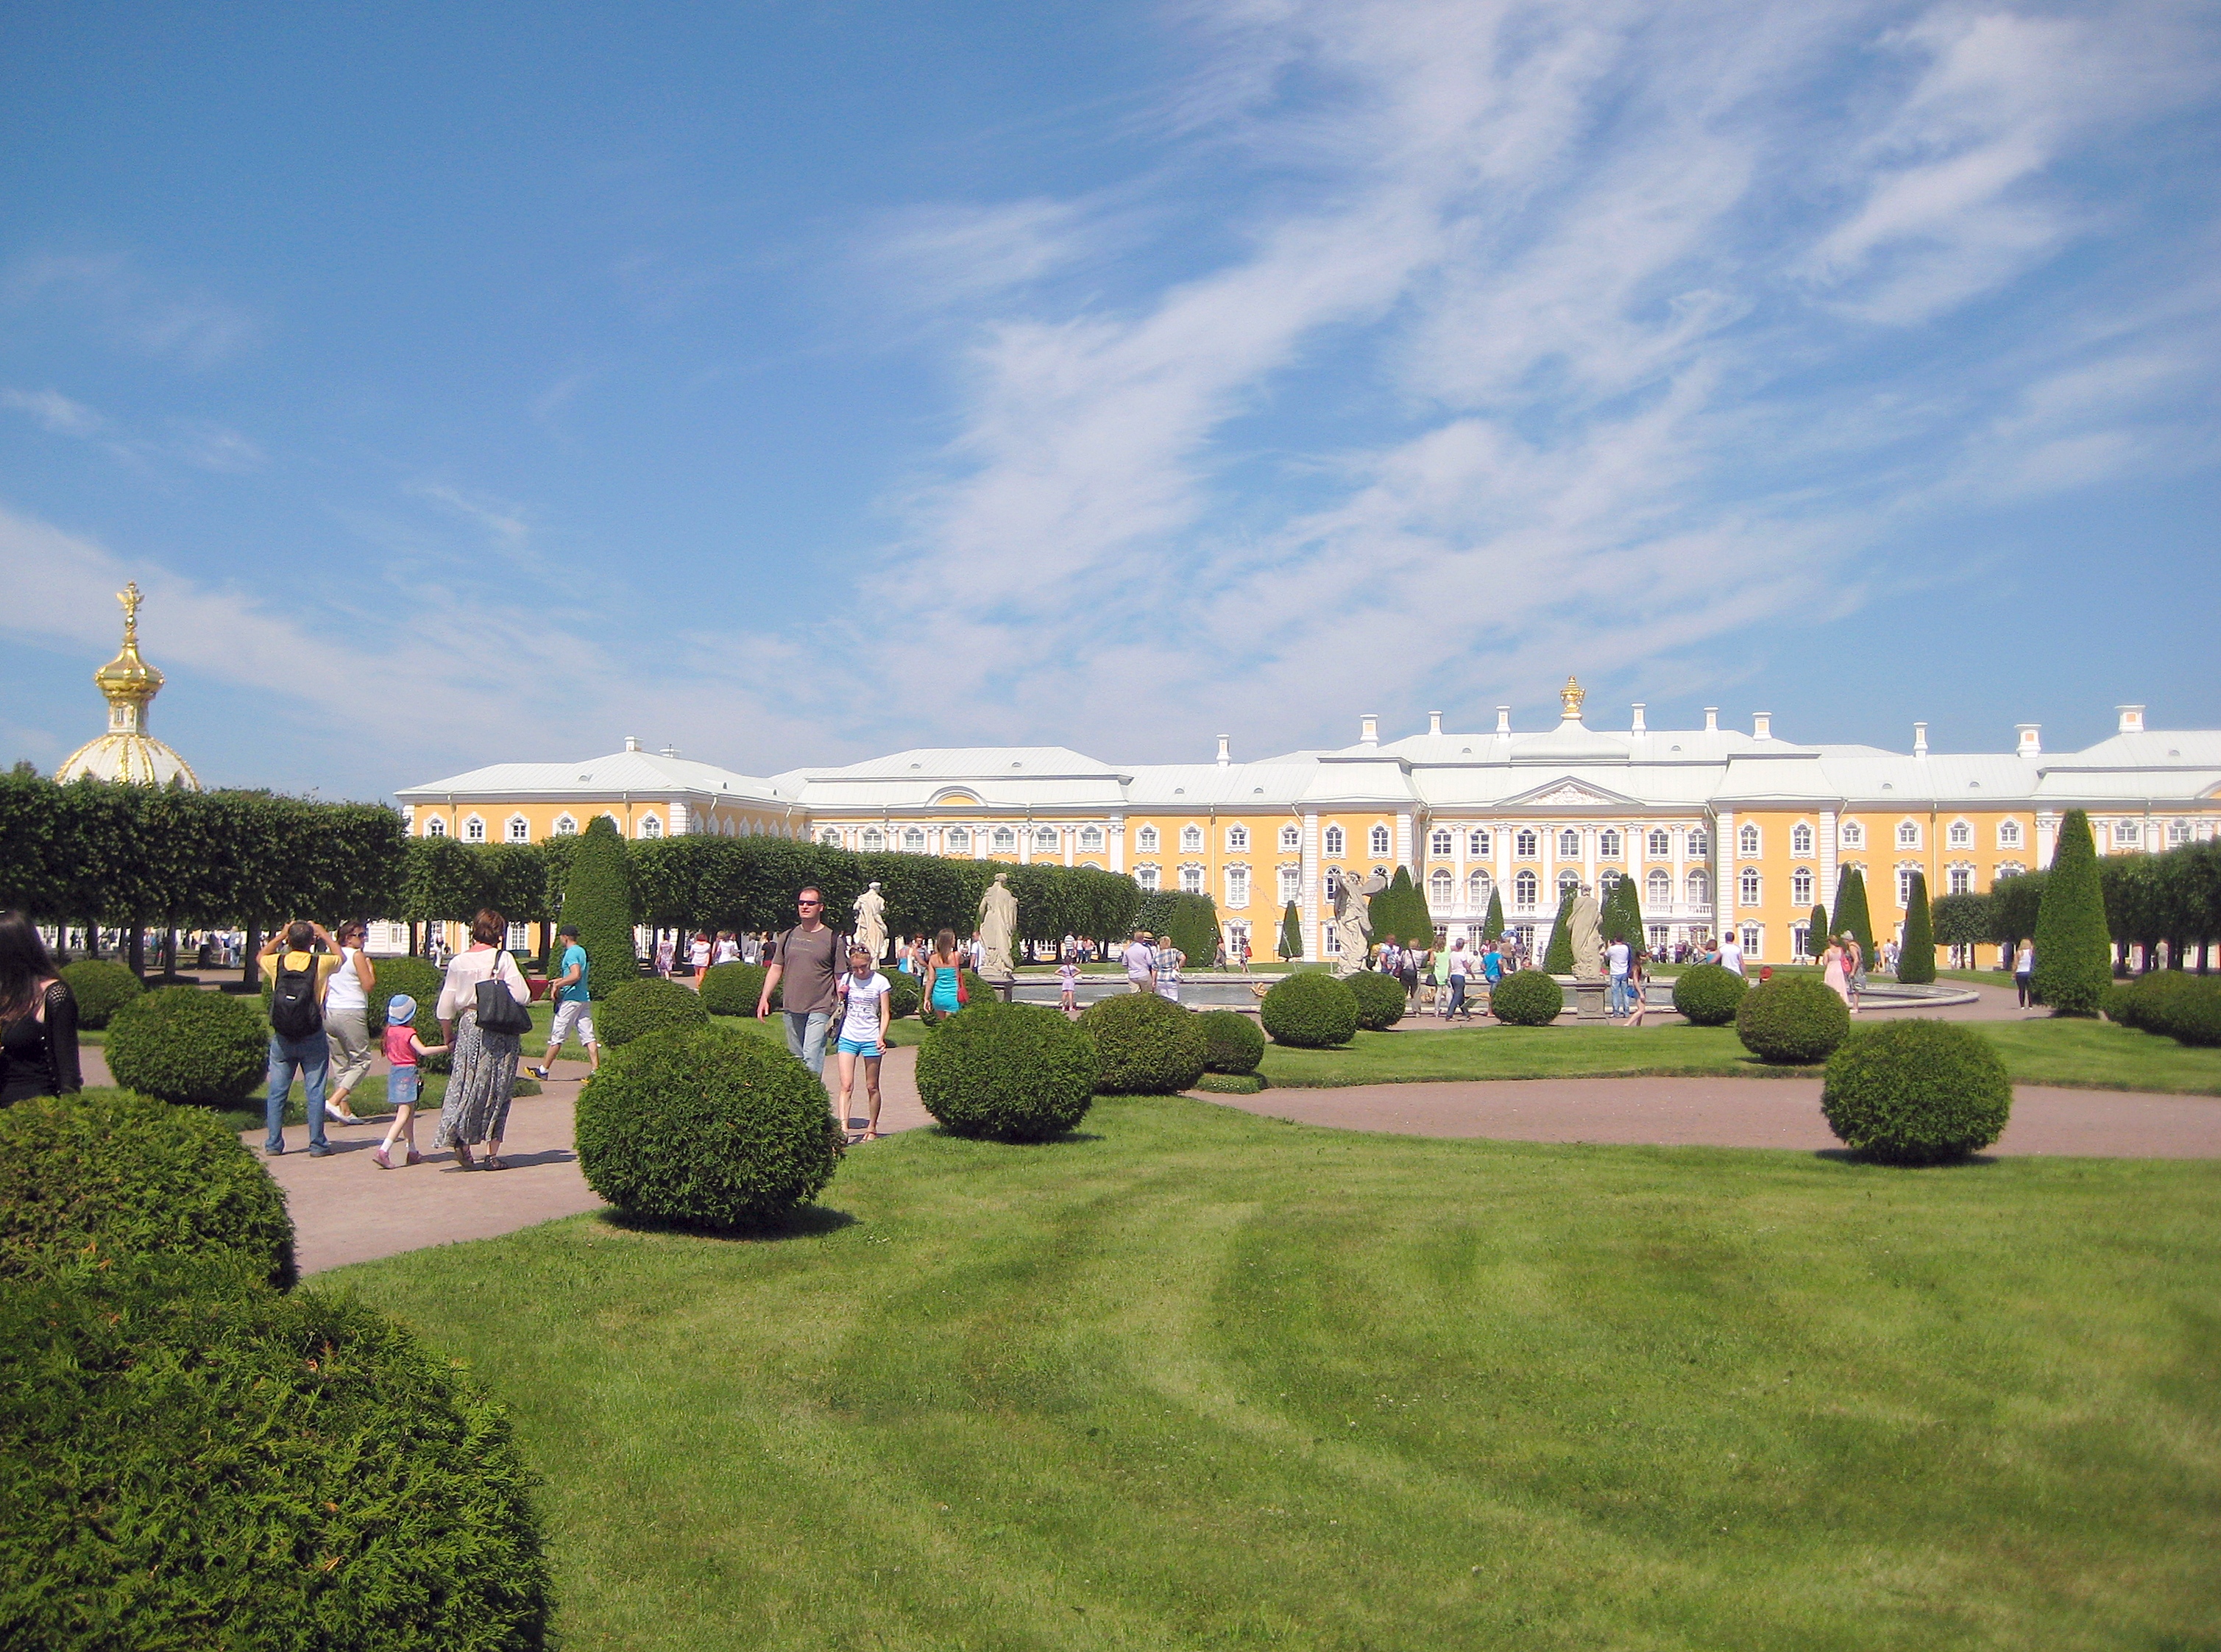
(903, 999)
(1916, 1092)
(1232, 1043)
(648, 1004)
(1008, 1071)
(1309, 1010)
(1794, 1018)
(105, 1173)
(101, 986)
(194, 1462)
(1708, 995)
(181, 1044)
(1144, 1045)
(705, 1127)
(732, 989)
(1380, 999)
(418, 980)
(1528, 998)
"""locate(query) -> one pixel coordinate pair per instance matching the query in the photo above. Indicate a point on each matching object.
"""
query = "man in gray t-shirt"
(808, 958)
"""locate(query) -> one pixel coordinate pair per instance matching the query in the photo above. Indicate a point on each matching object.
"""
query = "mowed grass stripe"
(1199, 1379)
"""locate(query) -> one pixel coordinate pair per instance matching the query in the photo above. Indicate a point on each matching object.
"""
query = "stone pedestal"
(1589, 1000)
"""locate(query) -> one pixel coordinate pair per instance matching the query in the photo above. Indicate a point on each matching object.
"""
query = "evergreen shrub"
(1232, 1043)
(1708, 995)
(194, 1462)
(705, 1127)
(1008, 1071)
(1492, 927)
(1816, 932)
(902, 998)
(1230, 1084)
(732, 989)
(1528, 998)
(1309, 1010)
(2171, 1003)
(1793, 1018)
(1291, 933)
(417, 977)
(1851, 912)
(597, 897)
(2074, 948)
(1916, 1092)
(1144, 1045)
(1381, 1000)
(650, 1003)
(976, 991)
(1916, 957)
(101, 986)
(1558, 957)
(105, 1174)
(179, 1043)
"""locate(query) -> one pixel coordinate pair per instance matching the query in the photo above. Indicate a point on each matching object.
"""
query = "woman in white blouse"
(476, 1108)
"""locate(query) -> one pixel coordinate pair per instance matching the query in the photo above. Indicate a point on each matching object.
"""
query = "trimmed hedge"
(1309, 1010)
(1144, 1045)
(1381, 1000)
(904, 998)
(1709, 995)
(2171, 1003)
(597, 897)
(1008, 1071)
(106, 1174)
(1793, 1018)
(1916, 1092)
(194, 1462)
(649, 1005)
(415, 977)
(2073, 946)
(733, 989)
(705, 1127)
(179, 1043)
(1916, 958)
(101, 986)
(1230, 1084)
(1528, 998)
(1232, 1043)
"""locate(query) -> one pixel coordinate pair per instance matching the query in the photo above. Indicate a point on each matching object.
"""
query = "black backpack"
(294, 1009)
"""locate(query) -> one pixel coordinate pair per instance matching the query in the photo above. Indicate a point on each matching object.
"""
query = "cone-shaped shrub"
(1528, 998)
(1623, 914)
(1492, 925)
(1558, 957)
(1915, 959)
(1797, 1019)
(1916, 1092)
(1816, 932)
(1291, 933)
(597, 897)
(1009, 1071)
(179, 1043)
(1851, 912)
(1232, 1043)
(1312, 1011)
(1707, 995)
(1380, 999)
(1144, 1045)
(101, 987)
(647, 1004)
(2074, 949)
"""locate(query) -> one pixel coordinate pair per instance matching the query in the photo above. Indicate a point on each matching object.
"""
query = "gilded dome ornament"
(127, 751)
(1570, 697)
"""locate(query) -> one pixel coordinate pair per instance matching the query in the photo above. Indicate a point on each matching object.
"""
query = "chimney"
(1711, 719)
(670, 751)
(1920, 740)
(1641, 727)
(1504, 719)
(1434, 723)
(2029, 745)
(632, 742)
(1761, 725)
(1224, 758)
(2132, 719)
(1369, 729)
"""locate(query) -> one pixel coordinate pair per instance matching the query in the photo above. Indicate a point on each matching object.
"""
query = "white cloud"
(54, 410)
(133, 309)
(503, 522)
(213, 448)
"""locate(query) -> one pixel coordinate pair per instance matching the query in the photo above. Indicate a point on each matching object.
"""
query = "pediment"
(1567, 793)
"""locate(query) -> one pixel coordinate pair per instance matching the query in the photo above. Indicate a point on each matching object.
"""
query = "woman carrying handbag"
(483, 1014)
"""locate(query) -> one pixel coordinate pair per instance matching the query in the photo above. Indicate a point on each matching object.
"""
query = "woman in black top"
(38, 1018)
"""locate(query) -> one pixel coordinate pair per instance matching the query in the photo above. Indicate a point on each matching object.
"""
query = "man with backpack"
(297, 1027)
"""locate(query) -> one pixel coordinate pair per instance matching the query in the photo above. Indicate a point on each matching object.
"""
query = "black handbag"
(499, 1009)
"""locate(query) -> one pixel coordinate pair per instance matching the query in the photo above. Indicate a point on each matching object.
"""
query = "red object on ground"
(1766, 972)
(538, 986)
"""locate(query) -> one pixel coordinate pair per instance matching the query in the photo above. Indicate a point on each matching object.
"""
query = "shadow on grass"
(802, 1221)
(1852, 1156)
(1060, 1137)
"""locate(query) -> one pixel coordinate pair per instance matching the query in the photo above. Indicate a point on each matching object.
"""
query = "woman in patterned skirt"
(476, 1107)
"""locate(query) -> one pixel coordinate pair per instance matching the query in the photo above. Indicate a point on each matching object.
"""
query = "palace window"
(1334, 841)
(1479, 887)
(1700, 843)
(1658, 888)
(1380, 840)
(435, 827)
(1237, 886)
(474, 830)
(1091, 837)
(1800, 839)
(1908, 834)
(2010, 869)
(1524, 845)
(1960, 836)
(1237, 838)
(1333, 882)
(1441, 844)
(874, 839)
(1045, 838)
(1661, 844)
(1754, 939)
(566, 827)
(2008, 833)
(518, 830)
(1747, 840)
(517, 939)
(1192, 878)
(1700, 888)
(1290, 839)
(1291, 884)
(1905, 877)
(1800, 886)
(1800, 941)
(1851, 834)
(2178, 833)
(1748, 886)
(1439, 888)
(914, 839)
(1608, 845)
(2125, 832)
(1961, 880)
(1611, 877)
(831, 837)
(652, 826)
(1146, 839)
(1526, 890)
(1145, 876)
(1569, 845)
(1476, 844)
(1005, 839)
(1568, 881)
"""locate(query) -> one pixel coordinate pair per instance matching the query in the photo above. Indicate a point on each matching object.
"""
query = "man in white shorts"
(574, 1004)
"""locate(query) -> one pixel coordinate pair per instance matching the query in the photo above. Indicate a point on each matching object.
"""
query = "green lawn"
(1201, 1380)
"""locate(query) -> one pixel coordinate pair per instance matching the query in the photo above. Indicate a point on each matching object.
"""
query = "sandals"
(493, 1162)
(463, 1157)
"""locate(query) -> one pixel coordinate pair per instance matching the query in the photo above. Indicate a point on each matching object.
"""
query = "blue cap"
(401, 1009)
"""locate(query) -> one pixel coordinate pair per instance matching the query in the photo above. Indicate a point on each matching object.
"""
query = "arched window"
(1146, 839)
(2010, 869)
(1700, 843)
(2008, 833)
(1333, 882)
(1291, 838)
(651, 826)
(1658, 889)
(1091, 837)
(1237, 886)
(1962, 880)
(1441, 844)
(831, 837)
(1661, 843)
(435, 827)
(1439, 886)
(1800, 839)
(1905, 877)
(1192, 878)
(566, 827)
(516, 829)
(1380, 840)
(1334, 841)
(2124, 832)
(473, 830)
(1145, 876)
(1700, 888)
(1908, 834)
(1960, 836)
(1479, 887)
(1476, 844)
(517, 940)
(1608, 844)
(913, 839)
(873, 840)
(1748, 886)
(1237, 838)
(1524, 845)
(1291, 884)
(1005, 839)
(1045, 838)
(1747, 840)
(1851, 834)
(1569, 845)
(1526, 889)
(2178, 833)
(1800, 886)
(1191, 839)
(1568, 881)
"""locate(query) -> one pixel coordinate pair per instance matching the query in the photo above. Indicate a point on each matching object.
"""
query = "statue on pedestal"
(1353, 923)
(999, 929)
(872, 923)
(1583, 926)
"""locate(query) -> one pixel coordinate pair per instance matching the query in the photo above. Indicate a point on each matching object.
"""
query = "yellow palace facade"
(1721, 828)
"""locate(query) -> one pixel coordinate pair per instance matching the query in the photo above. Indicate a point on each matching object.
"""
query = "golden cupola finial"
(1570, 697)
(127, 751)
(128, 681)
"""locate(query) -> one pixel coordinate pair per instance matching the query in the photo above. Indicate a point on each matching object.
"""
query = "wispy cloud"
(55, 411)
(132, 309)
(502, 521)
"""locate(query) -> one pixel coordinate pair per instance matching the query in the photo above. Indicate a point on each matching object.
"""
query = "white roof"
(646, 773)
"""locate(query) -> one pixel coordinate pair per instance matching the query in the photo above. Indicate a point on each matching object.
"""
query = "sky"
(792, 384)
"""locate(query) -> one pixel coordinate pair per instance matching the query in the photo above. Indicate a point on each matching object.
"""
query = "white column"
(1310, 890)
(1403, 840)
(2047, 838)
(1071, 843)
(1499, 839)
(1724, 872)
(1826, 892)
(1116, 841)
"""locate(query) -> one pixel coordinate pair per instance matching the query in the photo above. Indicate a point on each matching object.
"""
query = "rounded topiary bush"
(1708, 995)
(178, 1043)
(1380, 999)
(101, 986)
(419, 981)
(1144, 1045)
(1793, 1018)
(1528, 998)
(1232, 1043)
(106, 1174)
(1309, 1010)
(732, 989)
(194, 1462)
(1916, 1092)
(646, 1004)
(1009, 1071)
(905, 997)
(705, 1127)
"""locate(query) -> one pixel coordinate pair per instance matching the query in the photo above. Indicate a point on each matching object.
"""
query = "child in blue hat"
(403, 1050)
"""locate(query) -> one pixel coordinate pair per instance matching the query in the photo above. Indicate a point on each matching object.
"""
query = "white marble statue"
(1583, 926)
(1352, 921)
(999, 929)
(872, 922)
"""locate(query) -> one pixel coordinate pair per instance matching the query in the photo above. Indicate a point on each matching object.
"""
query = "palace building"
(1720, 829)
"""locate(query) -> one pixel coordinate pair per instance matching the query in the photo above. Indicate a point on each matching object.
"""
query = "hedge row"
(2171, 1003)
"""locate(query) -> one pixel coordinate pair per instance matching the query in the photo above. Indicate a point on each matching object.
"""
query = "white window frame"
(566, 825)
(1851, 834)
(435, 826)
(1800, 838)
(1146, 875)
(1191, 878)
(1090, 839)
(651, 826)
(1479, 886)
(1045, 837)
(1908, 834)
(1658, 889)
(1800, 887)
(1749, 843)
(1698, 886)
(873, 840)
(1237, 838)
(1190, 839)
(1291, 884)
(1608, 844)
(959, 839)
(1477, 843)
(1957, 873)
(1700, 843)
(1754, 941)
(2128, 834)
(1380, 840)
(1146, 839)
(516, 829)
(1569, 843)
(831, 837)
(1441, 843)
(1527, 844)
(1333, 843)
(1441, 887)
(1526, 892)
(2008, 833)
(1292, 837)
(1004, 841)
(474, 829)
(1905, 876)
(1959, 834)
(1237, 887)
(1661, 843)
(1750, 887)
(1569, 878)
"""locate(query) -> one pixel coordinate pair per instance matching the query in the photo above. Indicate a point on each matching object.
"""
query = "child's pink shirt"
(401, 1046)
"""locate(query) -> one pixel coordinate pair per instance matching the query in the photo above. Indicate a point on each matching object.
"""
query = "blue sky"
(792, 384)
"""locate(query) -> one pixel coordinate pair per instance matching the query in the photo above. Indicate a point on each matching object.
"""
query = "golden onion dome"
(127, 751)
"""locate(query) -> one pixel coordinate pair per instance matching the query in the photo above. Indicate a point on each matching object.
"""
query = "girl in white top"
(864, 1002)
(697, 953)
(347, 1024)
(727, 950)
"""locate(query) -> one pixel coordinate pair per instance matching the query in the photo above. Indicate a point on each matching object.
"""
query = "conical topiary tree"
(1851, 911)
(1291, 933)
(1623, 914)
(1558, 958)
(597, 897)
(1916, 958)
(2074, 949)
(1492, 927)
(1816, 932)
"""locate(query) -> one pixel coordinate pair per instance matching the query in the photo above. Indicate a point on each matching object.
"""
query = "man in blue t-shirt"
(574, 1003)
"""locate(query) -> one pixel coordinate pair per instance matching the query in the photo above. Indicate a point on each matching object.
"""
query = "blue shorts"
(852, 1046)
(401, 1088)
